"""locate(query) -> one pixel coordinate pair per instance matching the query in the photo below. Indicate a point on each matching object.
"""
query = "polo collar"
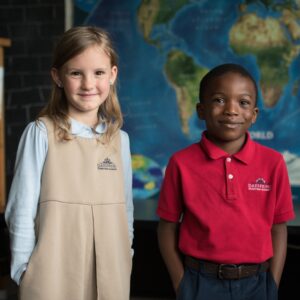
(245, 155)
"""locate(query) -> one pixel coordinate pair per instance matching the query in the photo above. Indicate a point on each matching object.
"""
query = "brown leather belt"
(226, 271)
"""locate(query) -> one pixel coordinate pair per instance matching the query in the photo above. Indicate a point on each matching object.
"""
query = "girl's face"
(229, 109)
(86, 80)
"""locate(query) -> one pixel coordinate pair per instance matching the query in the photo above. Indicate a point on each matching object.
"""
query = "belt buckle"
(233, 266)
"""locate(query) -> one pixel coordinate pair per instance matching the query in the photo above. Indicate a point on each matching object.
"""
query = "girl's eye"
(98, 73)
(75, 73)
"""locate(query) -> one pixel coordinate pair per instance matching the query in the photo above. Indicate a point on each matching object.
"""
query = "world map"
(165, 48)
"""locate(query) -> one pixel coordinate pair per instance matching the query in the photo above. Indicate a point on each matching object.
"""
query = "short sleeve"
(284, 204)
(170, 202)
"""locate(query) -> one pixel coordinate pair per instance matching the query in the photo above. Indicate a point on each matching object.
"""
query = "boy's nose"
(230, 108)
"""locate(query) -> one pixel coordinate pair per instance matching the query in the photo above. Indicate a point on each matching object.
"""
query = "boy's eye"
(218, 100)
(245, 102)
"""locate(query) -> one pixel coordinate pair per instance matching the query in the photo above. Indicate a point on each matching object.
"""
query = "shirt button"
(230, 176)
(228, 159)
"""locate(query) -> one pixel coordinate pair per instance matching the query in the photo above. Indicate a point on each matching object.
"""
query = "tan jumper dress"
(83, 246)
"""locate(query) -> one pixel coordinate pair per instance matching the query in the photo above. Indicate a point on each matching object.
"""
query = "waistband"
(226, 271)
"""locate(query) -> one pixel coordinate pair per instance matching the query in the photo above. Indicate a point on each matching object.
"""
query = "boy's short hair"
(221, 70)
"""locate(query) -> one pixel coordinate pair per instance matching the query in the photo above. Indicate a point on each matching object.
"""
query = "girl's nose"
(87, 82)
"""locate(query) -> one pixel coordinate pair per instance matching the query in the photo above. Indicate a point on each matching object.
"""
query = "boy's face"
(228, 109)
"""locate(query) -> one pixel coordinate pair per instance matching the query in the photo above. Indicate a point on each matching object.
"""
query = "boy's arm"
(279, 241)
(168, 245)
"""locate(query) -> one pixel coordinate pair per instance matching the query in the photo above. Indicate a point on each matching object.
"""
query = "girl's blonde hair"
(72, 43)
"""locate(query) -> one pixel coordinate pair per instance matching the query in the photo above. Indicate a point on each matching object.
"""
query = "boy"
(231, 197)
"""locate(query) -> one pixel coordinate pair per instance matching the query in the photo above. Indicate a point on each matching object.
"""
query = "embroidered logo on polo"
(107, 164)
(260, 185)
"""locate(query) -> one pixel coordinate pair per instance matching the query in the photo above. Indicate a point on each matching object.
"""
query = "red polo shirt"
(228, 203)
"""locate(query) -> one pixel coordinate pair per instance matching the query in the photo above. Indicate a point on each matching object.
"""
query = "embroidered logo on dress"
(107, 164)
(259, 185)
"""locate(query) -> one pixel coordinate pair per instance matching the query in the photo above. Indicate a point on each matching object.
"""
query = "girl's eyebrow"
(82, 69)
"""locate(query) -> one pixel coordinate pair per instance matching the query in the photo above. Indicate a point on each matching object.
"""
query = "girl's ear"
(200, 111)
(113, 75)
(55, 77)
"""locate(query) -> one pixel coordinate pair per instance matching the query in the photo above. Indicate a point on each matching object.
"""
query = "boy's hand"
(279, 241)
(168, 245)
(176, 284)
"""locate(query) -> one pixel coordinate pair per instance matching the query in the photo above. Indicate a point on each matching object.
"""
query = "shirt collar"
(245, 155)
(78, 128)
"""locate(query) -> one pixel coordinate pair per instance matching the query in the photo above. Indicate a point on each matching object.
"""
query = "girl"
(70, 211)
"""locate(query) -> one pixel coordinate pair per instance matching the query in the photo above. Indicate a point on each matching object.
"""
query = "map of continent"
(273, 47)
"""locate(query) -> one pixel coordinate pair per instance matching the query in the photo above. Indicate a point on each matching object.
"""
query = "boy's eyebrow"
(216, 93)
(221, 93)
(249, 95)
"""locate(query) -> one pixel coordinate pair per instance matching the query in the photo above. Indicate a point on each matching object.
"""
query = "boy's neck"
(230, 147)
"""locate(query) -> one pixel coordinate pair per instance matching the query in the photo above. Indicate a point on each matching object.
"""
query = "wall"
(32, 26)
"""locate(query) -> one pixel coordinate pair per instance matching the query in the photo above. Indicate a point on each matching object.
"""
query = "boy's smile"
(229, 109)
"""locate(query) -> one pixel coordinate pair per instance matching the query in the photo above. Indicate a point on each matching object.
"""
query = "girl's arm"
(126, 159)
(279, 241)
(168, 245)
(24, 195)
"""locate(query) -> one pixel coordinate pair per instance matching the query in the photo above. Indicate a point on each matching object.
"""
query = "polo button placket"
(230, 190)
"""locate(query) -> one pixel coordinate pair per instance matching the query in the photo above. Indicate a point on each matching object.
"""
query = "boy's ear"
(255, 114)
(200, 111)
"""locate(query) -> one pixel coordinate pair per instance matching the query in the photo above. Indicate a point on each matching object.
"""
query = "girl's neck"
(91, 121)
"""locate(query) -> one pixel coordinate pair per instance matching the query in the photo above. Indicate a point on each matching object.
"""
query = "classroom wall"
(32, 26)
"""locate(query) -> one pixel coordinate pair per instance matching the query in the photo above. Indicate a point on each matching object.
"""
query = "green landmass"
(184, 75)
(267, 41)
(168, 9)
(273, 5)
(275, 73)
(155, 12)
